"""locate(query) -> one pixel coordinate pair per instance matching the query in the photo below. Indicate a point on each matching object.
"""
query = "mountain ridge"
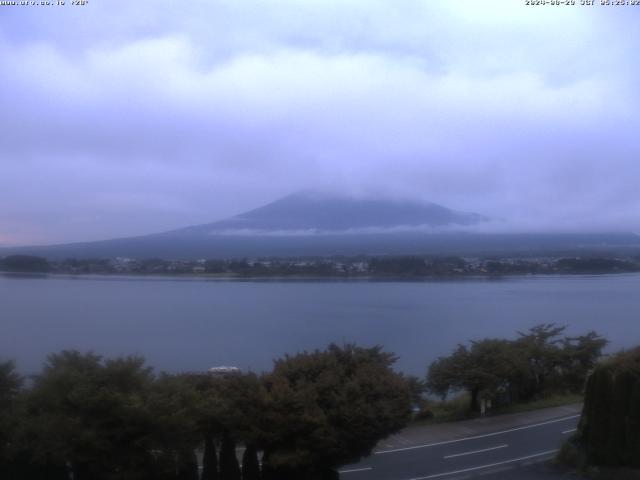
(309, 224)
(315, 212)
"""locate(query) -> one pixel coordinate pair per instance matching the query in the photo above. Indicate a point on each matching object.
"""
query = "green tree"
(239, 401)
(541, 348)
(10, 383)
(579, 357)
(446, 374)
(90, 414)
(417, 388)
(487, 368)
(327, 408)
(176, 431)
(536, 363)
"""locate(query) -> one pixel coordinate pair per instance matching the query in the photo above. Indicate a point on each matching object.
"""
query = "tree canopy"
(331, 407)
(114, 419)
(539, 361)
(24, 263)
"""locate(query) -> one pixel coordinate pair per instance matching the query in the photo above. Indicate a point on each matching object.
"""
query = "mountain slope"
(311, 224)
(320, 213)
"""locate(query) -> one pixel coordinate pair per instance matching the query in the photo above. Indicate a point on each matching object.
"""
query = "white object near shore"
(224, 370)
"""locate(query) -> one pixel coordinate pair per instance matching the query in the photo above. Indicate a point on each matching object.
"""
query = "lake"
(193, 324)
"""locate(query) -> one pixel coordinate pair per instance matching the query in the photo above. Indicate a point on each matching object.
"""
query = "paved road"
(486, 451)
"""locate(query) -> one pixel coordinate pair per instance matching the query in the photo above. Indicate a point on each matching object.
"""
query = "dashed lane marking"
(353, 470)
(490, 465)
(475, 437)
(455, 455)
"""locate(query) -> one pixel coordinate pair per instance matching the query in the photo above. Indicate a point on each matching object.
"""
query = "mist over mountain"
(320, 224)
(313, 212)
(183, 129)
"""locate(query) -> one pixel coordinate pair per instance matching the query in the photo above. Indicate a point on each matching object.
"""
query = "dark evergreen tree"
(229, 467)
(209, 459)
(622, 391)
(600, 416)
(609, 427)
(250, 464)
(163, 466)
(632, 448)
(266, 471)
(187, 465)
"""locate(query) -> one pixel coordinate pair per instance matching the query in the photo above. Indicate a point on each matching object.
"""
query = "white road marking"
(356, 470)
(475, 437)
(569, 431)
(471, 469)
(476, 451)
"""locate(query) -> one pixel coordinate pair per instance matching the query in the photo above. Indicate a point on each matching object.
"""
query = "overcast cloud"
(123, 118)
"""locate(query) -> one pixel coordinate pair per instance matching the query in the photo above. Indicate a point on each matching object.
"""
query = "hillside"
(312, 224)
(313, 212)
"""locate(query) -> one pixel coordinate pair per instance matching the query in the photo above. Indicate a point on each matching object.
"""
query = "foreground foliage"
(538, 363)
(89, 418)
(332, 407)
(609, 428)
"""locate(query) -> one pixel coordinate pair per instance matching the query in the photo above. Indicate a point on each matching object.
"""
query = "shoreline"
(305, 278)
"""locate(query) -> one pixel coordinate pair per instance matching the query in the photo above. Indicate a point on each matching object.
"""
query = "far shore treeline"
(336, 266)
(87, 417)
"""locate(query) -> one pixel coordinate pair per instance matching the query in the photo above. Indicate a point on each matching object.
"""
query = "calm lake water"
(182, 324)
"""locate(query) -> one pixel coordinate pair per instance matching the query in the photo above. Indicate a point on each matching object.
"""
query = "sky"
(122, 118)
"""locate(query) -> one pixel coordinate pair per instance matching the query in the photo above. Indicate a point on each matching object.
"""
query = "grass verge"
(457, 408)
